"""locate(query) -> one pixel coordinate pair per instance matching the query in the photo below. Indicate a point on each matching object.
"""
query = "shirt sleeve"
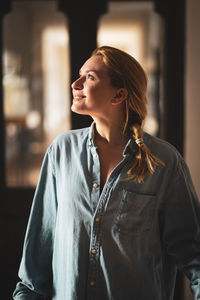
(180, 221)
(35, 269)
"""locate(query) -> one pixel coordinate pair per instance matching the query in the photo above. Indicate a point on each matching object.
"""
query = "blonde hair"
(125, 72)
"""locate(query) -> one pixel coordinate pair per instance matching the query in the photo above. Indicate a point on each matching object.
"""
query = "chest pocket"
(135, 213)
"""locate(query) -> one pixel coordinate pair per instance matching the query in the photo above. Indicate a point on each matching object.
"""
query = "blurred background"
(43, 44)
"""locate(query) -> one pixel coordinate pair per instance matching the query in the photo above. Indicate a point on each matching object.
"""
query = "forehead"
(94, 63)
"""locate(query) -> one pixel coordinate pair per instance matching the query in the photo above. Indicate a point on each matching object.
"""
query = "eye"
(90, 76)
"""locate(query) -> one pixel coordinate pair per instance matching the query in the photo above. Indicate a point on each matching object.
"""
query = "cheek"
(93, 89)
(95, 93)
(101, 92)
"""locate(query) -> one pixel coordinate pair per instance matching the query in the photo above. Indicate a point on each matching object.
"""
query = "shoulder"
(175, 170)
(163, 150)
(70, 139)
(72, 135)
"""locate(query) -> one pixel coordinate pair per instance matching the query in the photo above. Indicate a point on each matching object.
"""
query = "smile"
(78, 97)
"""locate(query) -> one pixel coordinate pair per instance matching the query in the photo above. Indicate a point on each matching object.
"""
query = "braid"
(145, 162)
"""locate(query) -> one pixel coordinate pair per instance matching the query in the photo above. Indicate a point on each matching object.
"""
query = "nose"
(77, 84)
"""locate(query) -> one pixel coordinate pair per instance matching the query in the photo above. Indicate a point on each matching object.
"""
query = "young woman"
(115, 212)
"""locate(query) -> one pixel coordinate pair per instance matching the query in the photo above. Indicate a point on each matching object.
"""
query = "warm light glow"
(151, 125)
(33, 119)
(36, 86)
(55, 54)
(15, 86)
(127, 37)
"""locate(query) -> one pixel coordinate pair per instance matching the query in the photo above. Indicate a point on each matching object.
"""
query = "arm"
(180, 221)
(36, 265)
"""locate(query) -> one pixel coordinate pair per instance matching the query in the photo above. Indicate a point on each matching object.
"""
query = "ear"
(120, 96)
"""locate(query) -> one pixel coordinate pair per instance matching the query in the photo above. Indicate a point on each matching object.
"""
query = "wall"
(192, 100)
(192, 91)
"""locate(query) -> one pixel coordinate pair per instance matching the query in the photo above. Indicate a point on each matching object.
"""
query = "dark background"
(14, 214)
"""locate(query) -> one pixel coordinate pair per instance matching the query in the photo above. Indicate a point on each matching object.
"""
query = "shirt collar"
(130, 148)
(91, 134)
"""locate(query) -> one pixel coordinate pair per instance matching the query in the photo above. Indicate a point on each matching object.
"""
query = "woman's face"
(92, 91)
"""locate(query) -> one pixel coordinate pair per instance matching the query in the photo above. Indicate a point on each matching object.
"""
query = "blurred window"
(36, 86)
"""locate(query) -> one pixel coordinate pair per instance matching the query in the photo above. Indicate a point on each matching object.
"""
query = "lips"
(78, 97)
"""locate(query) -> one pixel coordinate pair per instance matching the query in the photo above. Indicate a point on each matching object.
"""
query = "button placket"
(96, 169)
(94, 245)
(94, 255)
(95, 242)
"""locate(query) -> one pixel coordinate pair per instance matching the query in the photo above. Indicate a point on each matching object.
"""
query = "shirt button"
(97, 219)
(94, 251)
(91, 283)
(95, 185)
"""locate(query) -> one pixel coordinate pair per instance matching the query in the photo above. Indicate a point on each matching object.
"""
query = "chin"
(79, 111)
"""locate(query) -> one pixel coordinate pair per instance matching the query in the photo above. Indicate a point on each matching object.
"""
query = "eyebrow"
(87, 71)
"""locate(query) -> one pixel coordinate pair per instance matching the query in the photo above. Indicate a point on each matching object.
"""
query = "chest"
(109, 158)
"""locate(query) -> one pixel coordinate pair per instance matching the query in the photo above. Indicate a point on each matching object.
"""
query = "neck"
(110, 132)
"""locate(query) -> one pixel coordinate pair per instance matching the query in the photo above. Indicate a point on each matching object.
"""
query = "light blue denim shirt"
(124, 243)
